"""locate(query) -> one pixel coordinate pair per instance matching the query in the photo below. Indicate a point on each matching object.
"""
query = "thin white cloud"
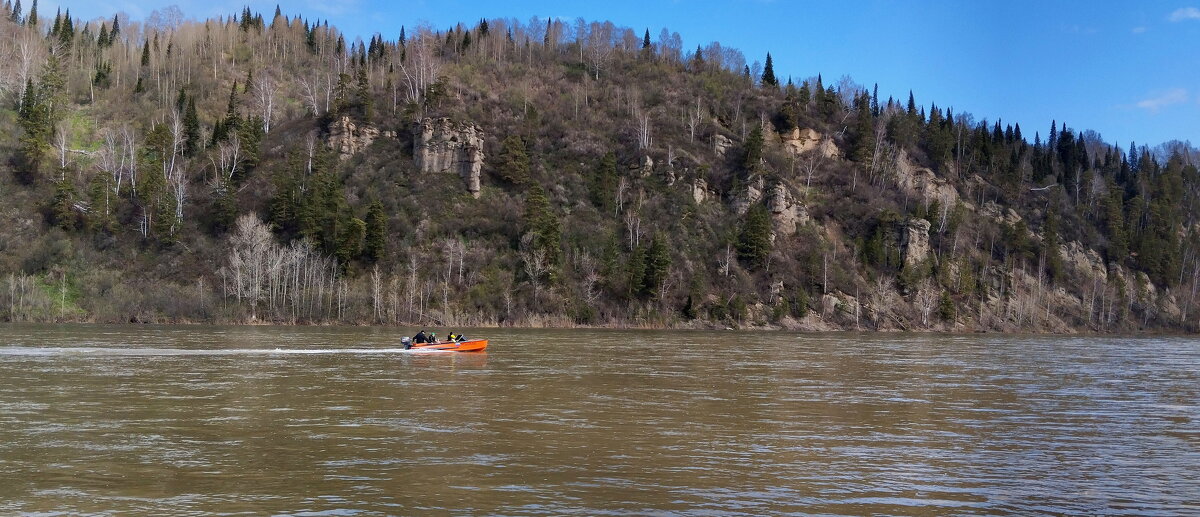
(1184, 14)
(1166, 98)
(1138, 30)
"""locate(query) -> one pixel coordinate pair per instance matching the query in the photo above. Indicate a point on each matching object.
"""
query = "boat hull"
(473, 345)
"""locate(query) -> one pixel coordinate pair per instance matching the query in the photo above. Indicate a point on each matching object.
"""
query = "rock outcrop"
(915, 242)
(800, 141)
(441, 146)
(699, 190)
(752, 194)
(721, 144)
(785, 212)
(348, 138)
(1084, 262)
(922, 183)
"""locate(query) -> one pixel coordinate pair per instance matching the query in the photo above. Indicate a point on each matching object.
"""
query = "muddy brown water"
(129, 420)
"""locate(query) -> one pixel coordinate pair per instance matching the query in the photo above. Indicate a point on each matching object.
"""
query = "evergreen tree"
(32, 19)
(191, 129)
(636, 271)
(768, 75)
(362, 93)
(754, 237)
(352, 233)
(864, 130)
(1050, 244)
(604, 183)
(752, 151)
(116, 29)
(62, 206)
(376, 236)
(541, 226)
(513, 163)
(658, 261)
(16, 12)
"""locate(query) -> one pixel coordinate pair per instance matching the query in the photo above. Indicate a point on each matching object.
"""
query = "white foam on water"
(93, 351)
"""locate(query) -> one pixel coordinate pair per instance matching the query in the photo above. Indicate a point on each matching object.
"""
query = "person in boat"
(422, 338)
(452, 337)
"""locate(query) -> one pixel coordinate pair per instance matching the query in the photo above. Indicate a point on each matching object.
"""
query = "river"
(179, 420)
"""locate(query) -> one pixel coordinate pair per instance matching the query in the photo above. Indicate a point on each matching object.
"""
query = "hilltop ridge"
(247, 169)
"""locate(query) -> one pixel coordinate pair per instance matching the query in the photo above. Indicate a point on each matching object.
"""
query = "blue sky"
(1128, 70)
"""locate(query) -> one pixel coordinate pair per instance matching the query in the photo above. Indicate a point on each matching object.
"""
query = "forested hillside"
(267, 169)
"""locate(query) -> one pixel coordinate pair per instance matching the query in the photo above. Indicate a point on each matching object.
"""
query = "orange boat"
(472, 345)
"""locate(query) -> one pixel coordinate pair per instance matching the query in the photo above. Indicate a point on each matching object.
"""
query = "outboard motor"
(407, 342)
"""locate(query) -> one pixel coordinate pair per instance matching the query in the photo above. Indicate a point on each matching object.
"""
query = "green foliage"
(1050, 245)
(754, 237)
(193, 142)
(376, 233)
(603, 187)
(512, 165)
(541, 225)
(62, 207)
(768, 75)
(864, 130)
(752, 151)
(351, 235)
(946, 308)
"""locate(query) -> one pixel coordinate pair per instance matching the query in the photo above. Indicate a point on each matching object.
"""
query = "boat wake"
(139, 352)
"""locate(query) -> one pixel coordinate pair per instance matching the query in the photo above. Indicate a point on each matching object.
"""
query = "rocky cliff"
(348, 137)
(444, 146)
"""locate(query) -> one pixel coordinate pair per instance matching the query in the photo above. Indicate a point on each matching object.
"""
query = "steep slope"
(245, 170)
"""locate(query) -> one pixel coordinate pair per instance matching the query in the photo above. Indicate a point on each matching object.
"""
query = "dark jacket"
(420, 337)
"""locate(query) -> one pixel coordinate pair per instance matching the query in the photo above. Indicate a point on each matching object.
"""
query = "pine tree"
(16, 12)
(116, 29)
(604, 183)
(362, 93)
(636, 271)
(658, 261)
(62, 206)
(146, 54)
(768, 75)
(32, 19)
(351, 235)
(191, 129)
(752, 151)
(864, 130)
(539, 221)
(1050, 243)
(181, 101)
(376, 236)
(513, 163)
(754, 237)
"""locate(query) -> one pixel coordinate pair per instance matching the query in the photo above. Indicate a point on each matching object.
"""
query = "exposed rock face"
(799, 141)
(441, 145)
(785, 212)
(699, 190)
(1085, 262)
(721, 143)
(348, 138)
(1000, 214)
(915, 242)
(752, 194)
(923, 183)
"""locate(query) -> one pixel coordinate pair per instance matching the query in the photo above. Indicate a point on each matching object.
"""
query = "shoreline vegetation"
(550, 174)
